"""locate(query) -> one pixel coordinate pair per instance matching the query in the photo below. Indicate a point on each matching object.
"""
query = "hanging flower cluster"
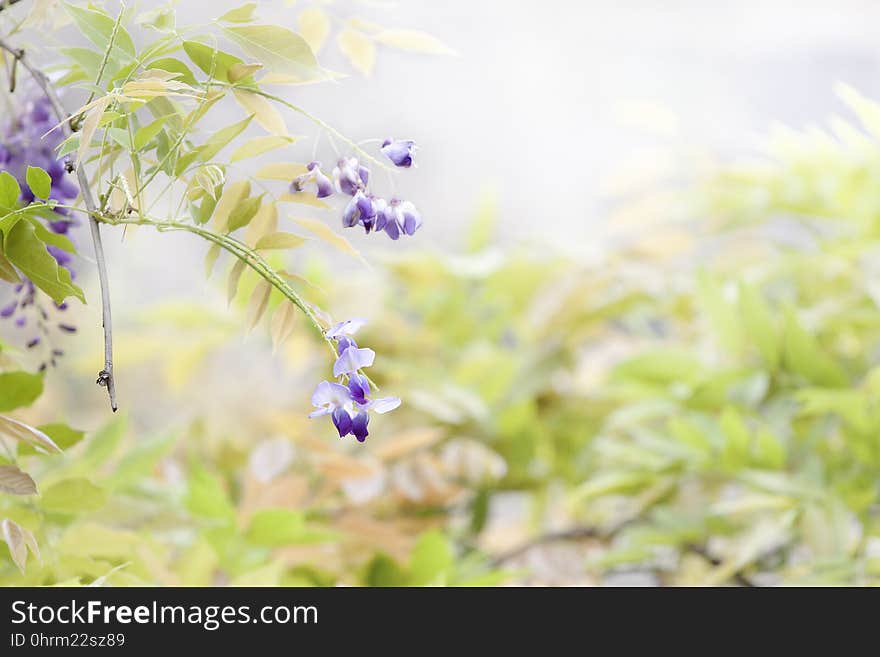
(28, 140)
(394, 217)
(347, 401)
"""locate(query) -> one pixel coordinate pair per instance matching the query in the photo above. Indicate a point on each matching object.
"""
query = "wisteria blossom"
(351, 178)
(348, 402)
(28, 140)
(399, 151)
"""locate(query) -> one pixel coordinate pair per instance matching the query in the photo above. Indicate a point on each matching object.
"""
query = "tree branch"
(578, 533)
(105, 376)
(8, 3)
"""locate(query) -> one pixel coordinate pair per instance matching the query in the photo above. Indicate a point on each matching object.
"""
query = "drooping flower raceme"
(347, 401)
(351, 178)
(28, 140)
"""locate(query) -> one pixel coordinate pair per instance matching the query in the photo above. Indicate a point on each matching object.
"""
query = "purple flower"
(399, 217)
(323, 186)
(353, 358)
(399, 151)
(348, 410)
(361, 209)
(348, 405)
(350, 176)
(347, 328)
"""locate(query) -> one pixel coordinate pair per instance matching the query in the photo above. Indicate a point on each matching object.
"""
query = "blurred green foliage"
(700, 412)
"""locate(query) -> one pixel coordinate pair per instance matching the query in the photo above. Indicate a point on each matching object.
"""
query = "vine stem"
(237, 249)
(105, 376)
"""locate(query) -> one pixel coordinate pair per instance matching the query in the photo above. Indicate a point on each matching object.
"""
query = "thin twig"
(8, 3)
(105, 376)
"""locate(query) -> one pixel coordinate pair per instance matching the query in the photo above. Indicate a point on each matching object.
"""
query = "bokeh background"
(606, 334)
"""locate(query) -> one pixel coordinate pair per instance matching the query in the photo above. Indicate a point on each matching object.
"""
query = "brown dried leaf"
(16, 482)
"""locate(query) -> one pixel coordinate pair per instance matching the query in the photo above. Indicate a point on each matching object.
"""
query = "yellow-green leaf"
(211, 258)
(243, 14)
(278, 48)
(358, 48)
(221, 138)
(265, 113)
(232, 196)
(325, 233)
(263, 223)
(314, 26)
(25, 433)
(259, 145)
(234, 278)
(283, 321)
(304, 198)
(74, 495)
(258, 303)
(285, 171)
(279, 241)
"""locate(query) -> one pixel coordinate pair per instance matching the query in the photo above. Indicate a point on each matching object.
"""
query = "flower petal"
(351, 360)
(359, 426)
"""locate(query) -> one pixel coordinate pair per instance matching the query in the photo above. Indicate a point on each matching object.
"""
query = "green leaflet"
(214, 62)
(19, 389)
(278, 48)
(97, 26)
(28, 253)
(39, 182)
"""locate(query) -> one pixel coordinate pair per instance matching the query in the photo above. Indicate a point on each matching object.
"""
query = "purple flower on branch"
(348, 404)
(399, 151)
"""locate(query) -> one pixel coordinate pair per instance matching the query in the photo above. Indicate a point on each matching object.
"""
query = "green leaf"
(720, 311)
(737, 438)
(221, 138)
(140, 462)
(73, 495)
(274, 527)
(243, 213)
(121, 137)
(382, 570)
(146, 134)
(804, 356)
(104, 443)
(88, 59)
(279, 241)
(28, 253)
(39, 181)
(97, 26)
(49, 237)
(208, 59)
(211, 259)
(161, 19)
(175, 66)
(759, 325)
(24, 433)
(206, 496)
(61, 434)
(9, 191)
(432, 560)
(19, 389)
(7, 271)
(243, 14)
(280, 49)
